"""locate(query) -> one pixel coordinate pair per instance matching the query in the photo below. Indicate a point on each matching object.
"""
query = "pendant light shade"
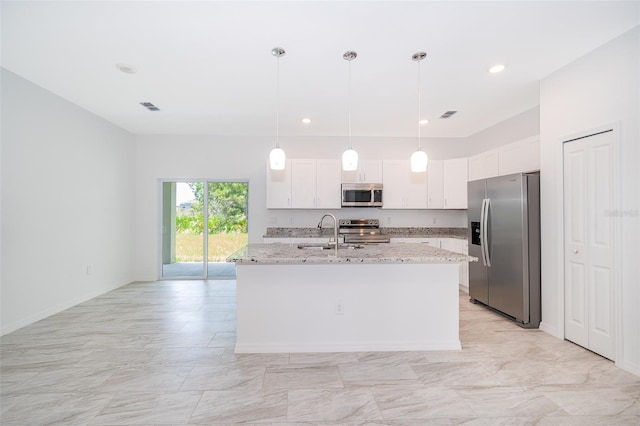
(277, 156)
(419, 159)
(349, 157)
(349, 160)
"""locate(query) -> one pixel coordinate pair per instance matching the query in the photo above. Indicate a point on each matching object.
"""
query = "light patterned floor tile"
(54, 408)
(154, 353)
(133, 408)
(411, 403)
(302, 377)
(370, 374)
(241, 406)
(224, 378)
(340, 405)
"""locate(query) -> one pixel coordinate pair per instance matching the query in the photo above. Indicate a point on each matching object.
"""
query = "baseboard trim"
(6, 329)
(290, 347)
(629, 366)
(550, 330)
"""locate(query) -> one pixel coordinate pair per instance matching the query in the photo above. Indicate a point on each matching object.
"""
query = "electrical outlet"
(388, 220)
(89, 269)
(434, 220)
(339, 307)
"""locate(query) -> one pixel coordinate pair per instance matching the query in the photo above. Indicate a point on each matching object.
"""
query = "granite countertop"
(414, 232)
(278, 253)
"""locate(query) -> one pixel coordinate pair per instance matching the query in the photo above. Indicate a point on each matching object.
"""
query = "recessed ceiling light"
(126, 68)
(497, 68)
(306, 120)
(424, 121)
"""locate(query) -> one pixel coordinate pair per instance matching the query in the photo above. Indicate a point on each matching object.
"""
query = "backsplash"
(405, 232)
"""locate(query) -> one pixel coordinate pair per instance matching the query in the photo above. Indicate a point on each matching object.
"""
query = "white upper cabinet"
(402, 188)
(455, 183)
(279, 187)
(369, 171)
(303, 184)
(315, 184)
(484, 165)
(328, 191)
(435, 184)
(521, 156)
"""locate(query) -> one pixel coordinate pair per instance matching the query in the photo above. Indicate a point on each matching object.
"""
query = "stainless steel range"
(362, 231)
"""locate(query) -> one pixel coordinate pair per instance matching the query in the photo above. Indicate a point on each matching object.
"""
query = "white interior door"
(588, 242)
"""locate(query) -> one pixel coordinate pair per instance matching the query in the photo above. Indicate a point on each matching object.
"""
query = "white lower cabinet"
(434, 242)
(299, 240)
(458, 245)
(271, 240)
(464, 268)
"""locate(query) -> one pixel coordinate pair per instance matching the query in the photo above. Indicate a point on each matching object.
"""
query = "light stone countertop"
(395, 232)
(278, 253)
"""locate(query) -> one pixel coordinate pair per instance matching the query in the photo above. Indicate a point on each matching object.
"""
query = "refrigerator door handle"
(485, 237)
(482, 228)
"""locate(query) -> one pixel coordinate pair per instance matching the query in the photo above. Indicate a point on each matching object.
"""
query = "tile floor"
(162, 353)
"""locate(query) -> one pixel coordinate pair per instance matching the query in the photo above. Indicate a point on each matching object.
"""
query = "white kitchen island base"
(347, 307)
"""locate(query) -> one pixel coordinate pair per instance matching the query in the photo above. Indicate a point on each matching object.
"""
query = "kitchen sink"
(326, 246)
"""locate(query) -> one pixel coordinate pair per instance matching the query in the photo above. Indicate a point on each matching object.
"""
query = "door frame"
(615, 229)
(160, 210)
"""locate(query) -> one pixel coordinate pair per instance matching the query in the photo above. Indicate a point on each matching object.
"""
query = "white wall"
(245, 158)
(68, 194)
(518, 127)
(596, 90)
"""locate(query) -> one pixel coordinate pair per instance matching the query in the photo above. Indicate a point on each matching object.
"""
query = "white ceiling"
(208, 66)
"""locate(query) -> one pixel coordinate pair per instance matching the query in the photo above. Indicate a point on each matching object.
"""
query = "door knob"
(575, 251)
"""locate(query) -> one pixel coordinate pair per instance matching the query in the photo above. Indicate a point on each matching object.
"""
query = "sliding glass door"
(193, 210)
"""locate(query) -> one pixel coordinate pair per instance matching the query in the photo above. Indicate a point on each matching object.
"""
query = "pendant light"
(349, 157)
(419, 158)
(277, 156)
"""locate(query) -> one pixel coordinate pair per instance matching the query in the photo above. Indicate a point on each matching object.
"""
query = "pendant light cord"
(349, 106)
(418, 105)
(278, 102)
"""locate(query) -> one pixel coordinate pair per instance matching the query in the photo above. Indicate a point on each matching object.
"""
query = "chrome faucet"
(335, 229)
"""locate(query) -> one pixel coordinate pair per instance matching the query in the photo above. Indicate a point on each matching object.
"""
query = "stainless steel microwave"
(361, 195)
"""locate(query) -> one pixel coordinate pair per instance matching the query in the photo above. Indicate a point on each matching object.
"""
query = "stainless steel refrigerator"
(504, 234)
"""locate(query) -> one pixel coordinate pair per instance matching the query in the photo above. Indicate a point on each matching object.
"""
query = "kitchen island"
(377, 297)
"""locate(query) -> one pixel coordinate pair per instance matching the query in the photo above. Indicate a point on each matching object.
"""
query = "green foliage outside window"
(227, 209)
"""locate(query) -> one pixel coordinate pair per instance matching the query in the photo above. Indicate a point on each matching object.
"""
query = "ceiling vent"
(149, 106)
(448, 114)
